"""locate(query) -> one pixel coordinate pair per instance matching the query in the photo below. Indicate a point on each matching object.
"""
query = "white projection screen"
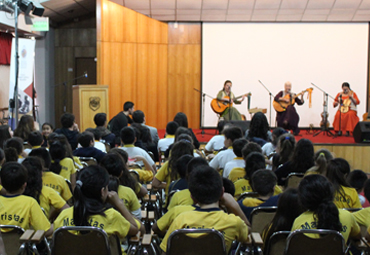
(326, 54)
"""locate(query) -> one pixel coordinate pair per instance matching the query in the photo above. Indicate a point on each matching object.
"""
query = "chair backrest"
(276, 244)
(247, 194)
(196, 242)
(88, 160)
(107, 147)
(293, 180)
(135, 174)
(151, 154)
(93, 241)
(11, 238)
(328, 242)
(261, 217)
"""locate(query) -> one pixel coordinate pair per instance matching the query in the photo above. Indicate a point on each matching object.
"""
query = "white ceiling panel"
(288, 17)
(241, 4)
(163, 12)
(267, 4)
(320, 4)
(291, 12)
(359, 18)
(363, 12)
(317, 12)
(239, 12)
(212, 17)
(164, 17)
(263, 18)
(188, 12)
(365, 4)
(137, 4)
(346, 4)
(188, 18)
(265, 12)
(294, 4)
(238, 17)
(340, 17)
(145, 12)
(312, 17)
(189, 4)
(215, 4)
(214, 12)
(163, 4)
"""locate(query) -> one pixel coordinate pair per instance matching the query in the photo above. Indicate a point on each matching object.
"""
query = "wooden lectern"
(89, 100)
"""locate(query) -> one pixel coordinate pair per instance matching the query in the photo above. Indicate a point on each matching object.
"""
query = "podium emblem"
(94, 103)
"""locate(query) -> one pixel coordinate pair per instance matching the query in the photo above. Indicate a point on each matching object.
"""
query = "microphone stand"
(65, 89)
(204, 100)
(270, 95)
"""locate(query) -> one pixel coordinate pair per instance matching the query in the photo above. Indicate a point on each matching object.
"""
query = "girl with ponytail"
(91, 195)
(284, 149)
(316, 195)
(321, 158)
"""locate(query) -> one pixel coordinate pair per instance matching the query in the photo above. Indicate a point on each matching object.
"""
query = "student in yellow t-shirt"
(17, 209)
(45, 196)
(316, 194)
(54, 181)
(363, 216)
(91, 196)
(205, 185)
(61, 164)
(344, 195)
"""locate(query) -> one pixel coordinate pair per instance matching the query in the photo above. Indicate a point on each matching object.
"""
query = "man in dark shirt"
(121, 120)
(69, 129)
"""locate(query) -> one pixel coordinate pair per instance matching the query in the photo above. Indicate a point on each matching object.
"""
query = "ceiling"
(225, 10)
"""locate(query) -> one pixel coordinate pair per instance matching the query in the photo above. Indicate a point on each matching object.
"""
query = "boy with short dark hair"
(97, 136)
(164, 143)
(17, 144)
(69, 129)
(35, 139)
(205, 185)
(139, 117)
(86, 139)
(16, 209)
(238, 161)
(100, 120)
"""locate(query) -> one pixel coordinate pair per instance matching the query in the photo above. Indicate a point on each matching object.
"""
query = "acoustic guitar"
(219, 106)
(281, 106)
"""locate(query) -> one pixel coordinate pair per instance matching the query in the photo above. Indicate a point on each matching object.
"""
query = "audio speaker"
(243, 124)
(361, 133)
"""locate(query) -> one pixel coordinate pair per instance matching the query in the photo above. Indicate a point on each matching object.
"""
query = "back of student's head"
(302, 158)
(127, 135)
(285, 148)
(34, 168)
(249, 148)
(276, 134)
(194, 163)
(316, 194)
(100, 119)
(258, 126)
(180, 131)
(238, 146)
(128, 105)
(35, 138)
(57, 153)
(254, 162)
(357, 179)
(221, 125)
(182, 165)
(184, 137)
(88, 194)
(67, 120)
(11, 155)
(171, 127)
(55, 137)
(138, 116)
(178, 149)
(43, 154)
(205, 185)
(321, 158)
(263, 182)
(113, 183)
(119, 152)
(337, 172)
(181, 119)
(96, 133)
(228, 186)
(233, 133)
(85, 139)
(367, 189)
(13, 176)
(16, 143)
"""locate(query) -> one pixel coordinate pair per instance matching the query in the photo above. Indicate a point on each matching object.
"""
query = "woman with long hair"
(259, 129)
(321, 159)
(344, 195)
(91, 196)
(316, 194)
(25, 126)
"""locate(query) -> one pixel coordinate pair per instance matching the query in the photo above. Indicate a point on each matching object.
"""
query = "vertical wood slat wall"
(148, 62)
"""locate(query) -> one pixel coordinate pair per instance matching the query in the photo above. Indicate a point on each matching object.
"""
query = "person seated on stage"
(263, 182)
(238, 161)
(47, 129)
(121, 120)
(255, 161)
(239, 173)
(346, 118)
(231, 113)
(344, 195)
(288, 118)
(100, 120)
(182, 120)
(69, 129)
(206, 189)
(139, 117)
(217, 142)
(25, 126)
(321, 158)
(284, 150)
(357, 179)
(128, 139)
(316, 196)
(219, 161)
(181, 166)
(97, 136)
(17, 144)
(164, 143)
(301, 161)
(363, 216)
(86, 140)
(35, 139)
(259, 130)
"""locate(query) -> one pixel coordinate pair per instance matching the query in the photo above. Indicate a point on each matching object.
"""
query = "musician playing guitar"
(225, 95)
(347, 111)
(288, 118)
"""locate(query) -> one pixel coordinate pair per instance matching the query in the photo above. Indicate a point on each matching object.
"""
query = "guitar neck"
(242, 96)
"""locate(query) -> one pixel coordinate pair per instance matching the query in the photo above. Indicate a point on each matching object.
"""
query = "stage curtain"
(5, 48)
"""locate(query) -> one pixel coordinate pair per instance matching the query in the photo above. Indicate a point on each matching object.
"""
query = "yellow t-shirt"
(77, 163)
(49, 197)
(252, 202)
(145, 175)
(112, 223)
(243, 185)
(236, 173)
(68, 168)
(181, 197)
(362, 217)
(231, 226)
(349, 226)
(57, 183)
(22, 211)
(166, 220)
(129, 198)
(350, 199)
(163, 175)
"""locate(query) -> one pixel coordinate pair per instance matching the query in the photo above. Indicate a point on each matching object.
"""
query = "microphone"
(85, 74)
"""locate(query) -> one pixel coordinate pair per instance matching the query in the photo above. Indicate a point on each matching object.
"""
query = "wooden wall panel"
(185, 33)
(129, 70)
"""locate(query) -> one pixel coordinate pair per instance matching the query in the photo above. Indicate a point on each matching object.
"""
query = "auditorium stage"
(357, 154)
